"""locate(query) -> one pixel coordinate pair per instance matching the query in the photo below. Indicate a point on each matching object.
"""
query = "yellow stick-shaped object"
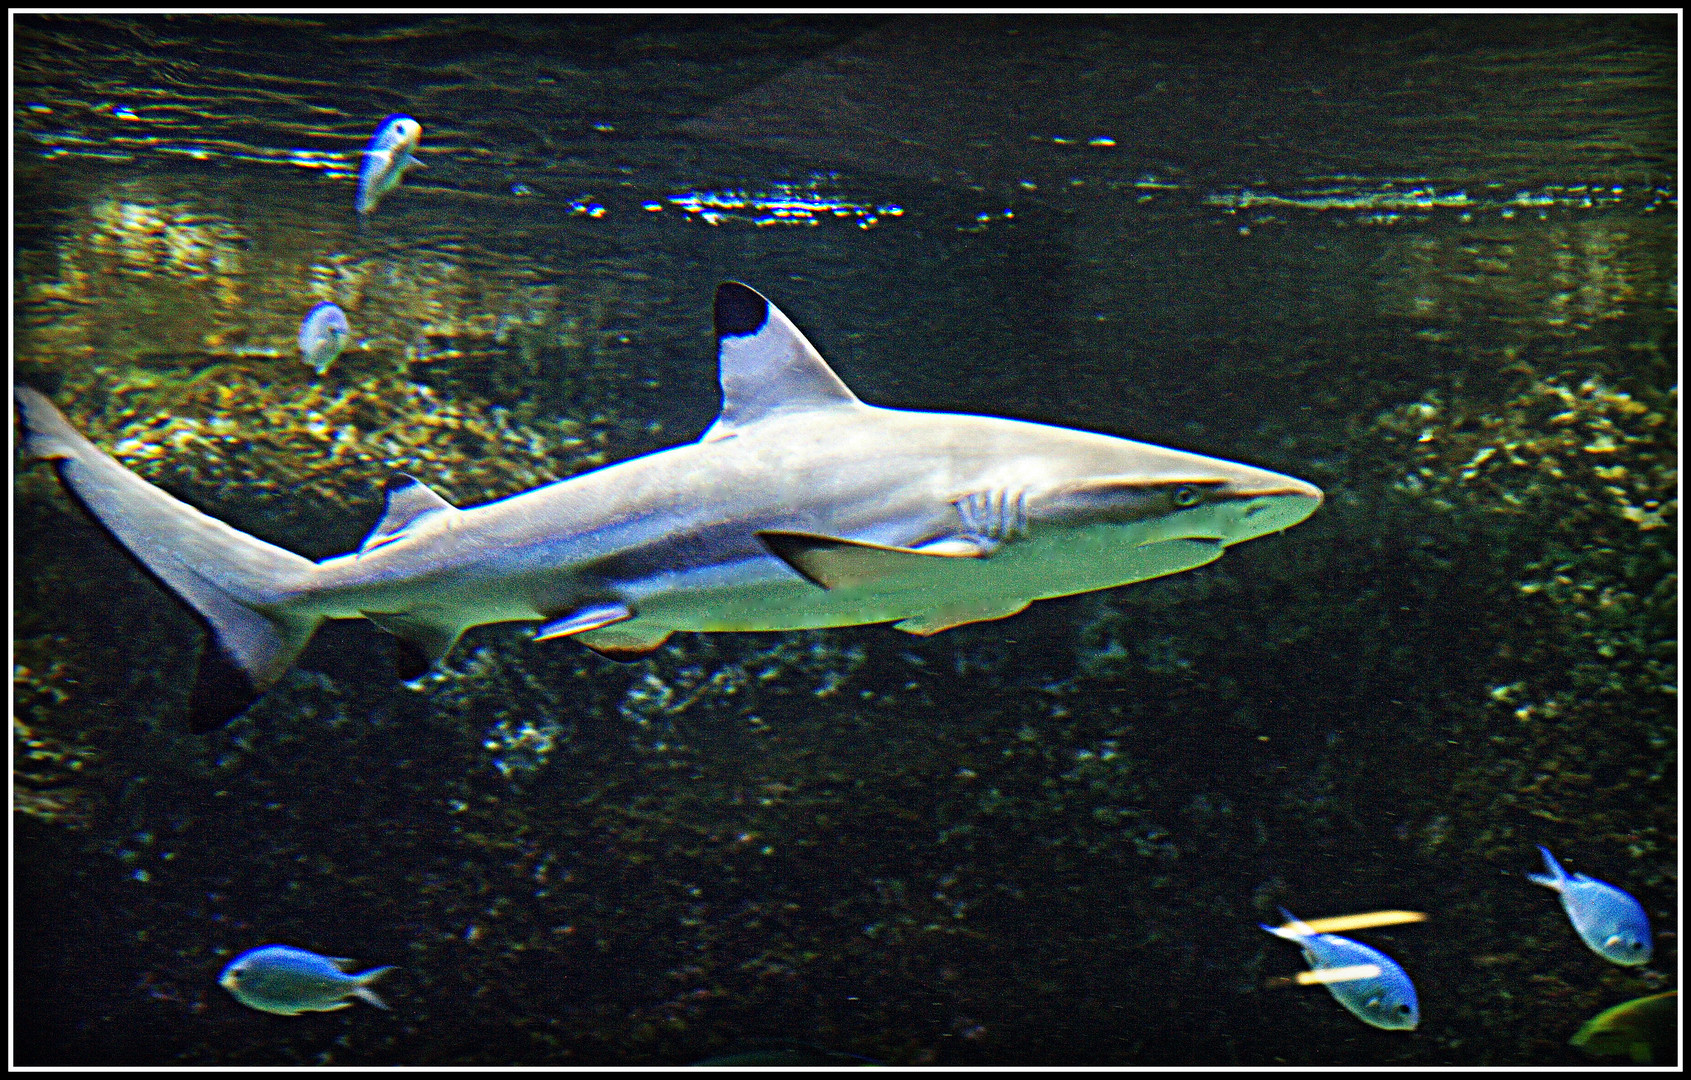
(1356, 922)
(1327, 975)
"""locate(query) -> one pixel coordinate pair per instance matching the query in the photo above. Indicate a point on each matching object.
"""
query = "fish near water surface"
(1384, 1000)
(387, 157)
(800, 507)
(1610, 922)
(288, 981)
(322, 335)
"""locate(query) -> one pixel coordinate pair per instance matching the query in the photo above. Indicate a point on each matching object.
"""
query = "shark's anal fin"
(422, 643)
(624, 642)
(408, 500)
(591, 617)
(834, 563)
(932, 622)
(765, 365)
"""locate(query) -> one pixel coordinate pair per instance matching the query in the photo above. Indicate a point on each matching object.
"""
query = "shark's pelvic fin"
(834, 563)
(422, 643)
(408, 500)
(624, 642)
(765, 365)
(592, 617)
(931, 623)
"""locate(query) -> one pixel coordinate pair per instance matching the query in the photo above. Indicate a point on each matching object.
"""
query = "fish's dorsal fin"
(408, 499)
(765, 365)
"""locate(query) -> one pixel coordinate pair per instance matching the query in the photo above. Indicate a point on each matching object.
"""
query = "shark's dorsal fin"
(765, 365)
(408, 499)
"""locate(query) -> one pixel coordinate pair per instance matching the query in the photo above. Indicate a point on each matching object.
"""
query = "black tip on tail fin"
(222, 691)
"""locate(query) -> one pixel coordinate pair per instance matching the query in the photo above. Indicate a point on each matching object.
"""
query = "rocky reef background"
(1047, 839)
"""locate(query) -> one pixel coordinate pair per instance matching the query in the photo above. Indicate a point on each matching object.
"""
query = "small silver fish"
(322, 335)
(1607, 919)
(1386, 1000)
(288, 981)
(386, 159)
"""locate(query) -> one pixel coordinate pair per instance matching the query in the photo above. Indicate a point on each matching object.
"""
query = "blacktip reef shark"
(800, 507)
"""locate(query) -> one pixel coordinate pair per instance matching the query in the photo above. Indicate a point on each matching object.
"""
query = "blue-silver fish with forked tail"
(800, 507)
(1383, 999)
(288, 981)
(387, 157)
(1607, 919)
(323, 333)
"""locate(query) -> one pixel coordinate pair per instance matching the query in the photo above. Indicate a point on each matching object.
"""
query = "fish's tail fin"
(238, 584)
(1295, 928)
(365, 979)
(1557, 875)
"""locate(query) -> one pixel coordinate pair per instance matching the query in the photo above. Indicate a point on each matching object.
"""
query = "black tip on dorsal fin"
(740, 310)
(765, 365)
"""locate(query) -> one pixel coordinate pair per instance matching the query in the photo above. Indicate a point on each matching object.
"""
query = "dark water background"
(1427, 263)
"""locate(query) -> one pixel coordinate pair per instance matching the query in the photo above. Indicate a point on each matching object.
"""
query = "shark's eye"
(1403, 1010)
(1187, 495)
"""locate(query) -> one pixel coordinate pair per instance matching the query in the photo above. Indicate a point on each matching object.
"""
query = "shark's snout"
(1269, 502)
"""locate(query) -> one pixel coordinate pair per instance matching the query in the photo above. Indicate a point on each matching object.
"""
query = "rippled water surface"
(1426, 263)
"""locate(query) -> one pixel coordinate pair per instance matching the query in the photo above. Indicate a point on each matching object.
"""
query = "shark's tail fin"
(240, 585)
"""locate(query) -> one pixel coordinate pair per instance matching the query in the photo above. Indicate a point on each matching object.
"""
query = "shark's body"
(800, 507)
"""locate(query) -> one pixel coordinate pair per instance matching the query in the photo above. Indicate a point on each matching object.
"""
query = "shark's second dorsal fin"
(765, 365)
(408, 499)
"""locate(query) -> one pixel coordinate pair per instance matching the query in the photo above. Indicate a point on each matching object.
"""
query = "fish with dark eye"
(1382, 997)
(288, 981)
(322, 335)
(390, 153)
(1607, 919)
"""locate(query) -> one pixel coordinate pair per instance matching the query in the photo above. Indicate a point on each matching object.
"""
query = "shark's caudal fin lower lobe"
(238, 584)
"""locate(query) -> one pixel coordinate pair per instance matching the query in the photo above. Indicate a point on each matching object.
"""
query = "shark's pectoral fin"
(584, 619)
(932, 622)
(422, 644)
(624, 642)
(408, 501)
(834, 563)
